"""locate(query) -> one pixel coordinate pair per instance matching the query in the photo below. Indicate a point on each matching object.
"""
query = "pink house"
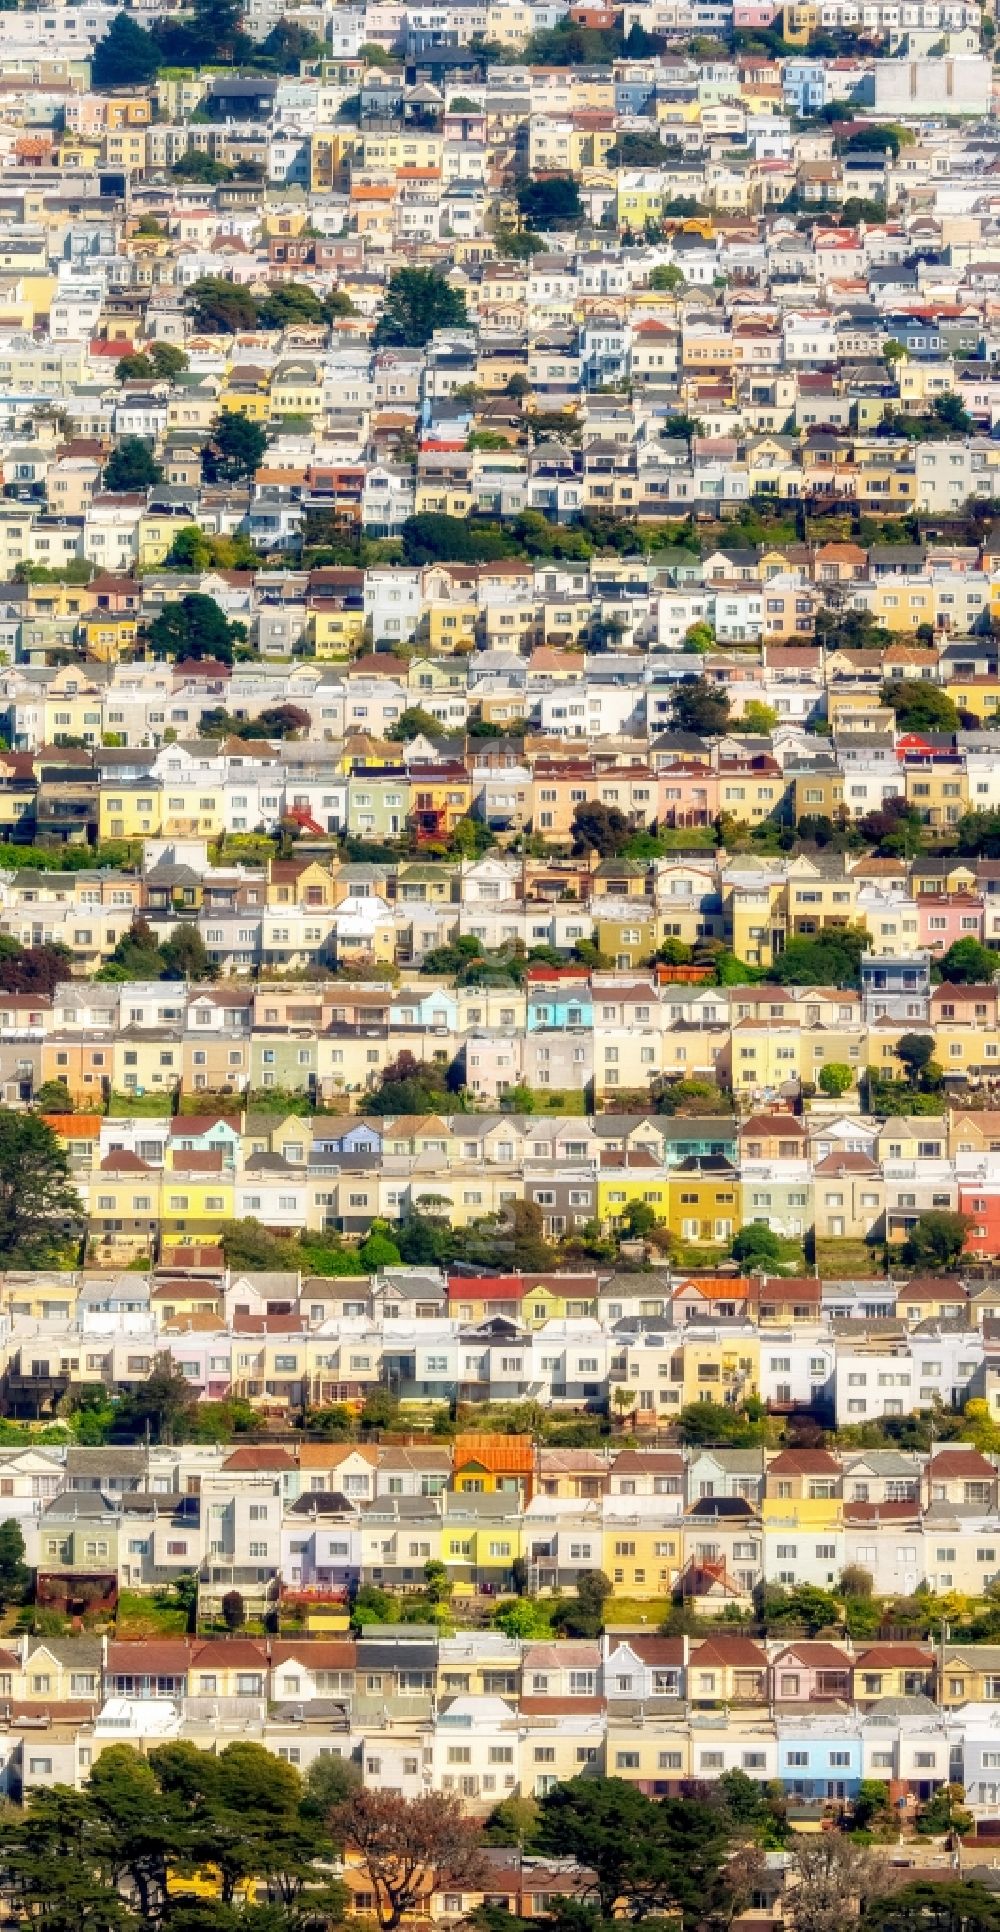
(944, 917)
(808, 1673)
(754, 13)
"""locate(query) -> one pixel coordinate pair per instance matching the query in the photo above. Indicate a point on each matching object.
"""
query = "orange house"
(484, 1465)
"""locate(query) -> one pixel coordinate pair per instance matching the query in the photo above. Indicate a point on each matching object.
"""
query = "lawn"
(158, 1616)
(637, 1610)
(847, 1261)
(140, 1106)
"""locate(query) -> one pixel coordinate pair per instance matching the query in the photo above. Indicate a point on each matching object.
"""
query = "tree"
(520, 1617)
(234, 1614)
(700, 707)
(236, 449)
(418, 301)
(638, 1218)
(40, 1209)
(411, 1848)
(667, 278)
(379, 1251)
(967, 963)
(288, 303)
(184, 955)
(761, 719)
(944, 1813)
(855, 1581)
(221, 307)
(438, 1585)
(126, 57)
(53, 1097)
(835, 1078)
(163, 1404)
(194, 627)
(167, 360)
(599, 828)
(415, 722)
(432, 537)
(756, 1246)
(32, 969)
(936, 1240)
(951, 414)
(514, 1821)
(198, 165)
(916, 1051)
(136, 368)
(977, 835)
(920, 706)
(932, 1905)
(15, 1576)
(667, 1858)
(328, 1782)
(551, 201)
(408, 1086)
(131, 467)
(602, 1823)
(834, 1880)
(831, 959)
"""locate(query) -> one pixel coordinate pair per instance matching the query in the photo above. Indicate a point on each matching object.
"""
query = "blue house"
(820, 1757)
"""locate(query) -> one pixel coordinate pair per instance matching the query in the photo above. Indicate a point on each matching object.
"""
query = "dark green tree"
(184, 955)
(236, 449)
(194, 627)
(15, 1576)
(968, 963)
(40, 1209)
(198, 165)
(220, 306)
(551, 201)
(126, 57)
(600, 828)
(932, 1905)
(131, 466)
(700, 707)
(936, 1240)
(920, 706)
(756, 1246)
(916, 1051)
(417, 302)
(164, 1403)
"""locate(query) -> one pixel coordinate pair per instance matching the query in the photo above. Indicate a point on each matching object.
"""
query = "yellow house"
(704, 1208)
(804, 1487)
(332, 151)
(130, 811)
(979, 695)
(451, 627)
(297, 389)
(109, 636)
(641, 196)
(192, 807)
(901, 603)
(155, 535)
(337, 633)
(198, 1196)
(762, 1054)
(938, 791)
(642, 1559)
(140, 1064)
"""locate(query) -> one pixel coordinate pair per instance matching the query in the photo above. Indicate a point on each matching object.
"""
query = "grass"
(678, 838)
(140, 1106)
(647, 1610)
(847, 1261)
(156, 1616)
